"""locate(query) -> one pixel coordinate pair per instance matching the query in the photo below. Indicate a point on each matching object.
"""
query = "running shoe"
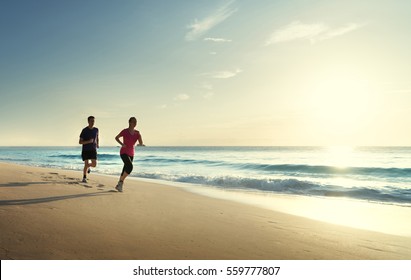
(84, 180)
(119, 186)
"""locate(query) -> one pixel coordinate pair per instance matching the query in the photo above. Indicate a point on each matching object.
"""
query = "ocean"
(372, 174)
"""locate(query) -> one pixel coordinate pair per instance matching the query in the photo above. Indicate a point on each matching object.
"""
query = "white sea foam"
(379, 174)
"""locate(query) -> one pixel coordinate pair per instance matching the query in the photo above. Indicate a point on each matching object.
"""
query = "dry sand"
(49, 214)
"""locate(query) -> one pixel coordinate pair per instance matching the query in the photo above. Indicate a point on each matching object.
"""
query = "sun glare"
(339, 105)
(339, 156)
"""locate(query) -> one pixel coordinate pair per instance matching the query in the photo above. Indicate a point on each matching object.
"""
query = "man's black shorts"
(85, 155)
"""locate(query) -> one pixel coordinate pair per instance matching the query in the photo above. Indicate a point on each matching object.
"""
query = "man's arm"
(83, 142)
(97, 141)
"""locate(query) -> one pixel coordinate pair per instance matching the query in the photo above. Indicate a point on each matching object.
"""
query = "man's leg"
(93, 163)
(86, 170)
(86, 167)
(93, 158)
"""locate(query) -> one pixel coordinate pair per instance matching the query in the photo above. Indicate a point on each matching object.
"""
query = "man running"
(89, 140)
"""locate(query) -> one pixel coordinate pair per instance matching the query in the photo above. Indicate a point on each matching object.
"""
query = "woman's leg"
(128, 166)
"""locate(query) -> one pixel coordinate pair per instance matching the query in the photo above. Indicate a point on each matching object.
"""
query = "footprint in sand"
(72, 183)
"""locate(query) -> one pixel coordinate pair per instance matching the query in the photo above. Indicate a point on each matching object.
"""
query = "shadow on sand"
(46, 199)
(25, 184)
(50, 199)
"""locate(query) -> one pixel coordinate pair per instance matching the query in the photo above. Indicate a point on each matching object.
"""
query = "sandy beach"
(49, 214)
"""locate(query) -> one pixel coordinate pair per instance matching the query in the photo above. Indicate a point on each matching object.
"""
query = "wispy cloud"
(208, 95)
(177, 100)
(313, 32)
(209, 90)
(207, 86)
(296, 31)
(218, 40)
(224, 74)
(200, 27)
(342, 30)
(182, 97)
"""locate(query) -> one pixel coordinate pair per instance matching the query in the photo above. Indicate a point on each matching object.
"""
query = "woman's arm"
(140, 140)
(118, 139)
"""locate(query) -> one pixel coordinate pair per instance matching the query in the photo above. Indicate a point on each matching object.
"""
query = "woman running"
(130, 137)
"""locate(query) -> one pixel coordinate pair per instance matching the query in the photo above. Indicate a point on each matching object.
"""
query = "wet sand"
(49, 214)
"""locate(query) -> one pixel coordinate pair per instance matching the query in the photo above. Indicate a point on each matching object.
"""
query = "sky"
(212, 73)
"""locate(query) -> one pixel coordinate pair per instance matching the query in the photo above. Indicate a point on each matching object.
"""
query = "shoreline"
(49, 214)
(374, 216)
